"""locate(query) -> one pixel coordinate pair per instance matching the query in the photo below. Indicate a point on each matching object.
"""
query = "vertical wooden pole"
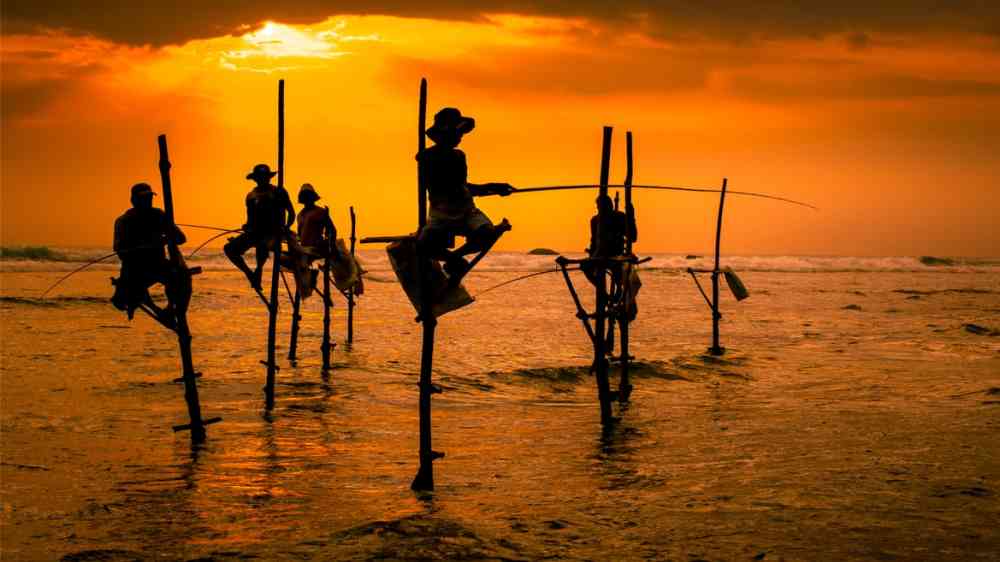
(327, 302)
(293, 338)
(628, 188)
(624, 384)
(424, 480)
(272, 321)
(600, 315)
(350, 292)
(180, 293)
(717, 349)
(421, 145)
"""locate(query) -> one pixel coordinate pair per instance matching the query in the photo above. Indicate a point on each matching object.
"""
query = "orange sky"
(892, 130)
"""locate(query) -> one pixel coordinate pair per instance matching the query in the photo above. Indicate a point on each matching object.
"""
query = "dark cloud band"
(164, 23)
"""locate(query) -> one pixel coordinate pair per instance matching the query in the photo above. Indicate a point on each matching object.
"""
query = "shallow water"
(825, 432)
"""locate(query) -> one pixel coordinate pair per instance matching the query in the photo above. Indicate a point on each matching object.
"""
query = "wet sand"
(855, 417)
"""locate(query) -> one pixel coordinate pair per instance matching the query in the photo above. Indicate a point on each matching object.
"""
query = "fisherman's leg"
(120, 298)
(432, 242)
(234, 250)
(479, 233)
(135, 284)
(262, 251)
(143, 280)
(177, 288)
(590, 272)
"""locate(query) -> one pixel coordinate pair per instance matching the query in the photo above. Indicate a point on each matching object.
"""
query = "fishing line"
(210, 240)
(523, 277)
(77, 270)
(113, 254)
(665, 188)
(204, 227)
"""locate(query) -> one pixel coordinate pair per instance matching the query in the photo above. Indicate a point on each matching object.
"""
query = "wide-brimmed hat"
(450, 119)
(308, 189)
(261, 171)
(142, 188)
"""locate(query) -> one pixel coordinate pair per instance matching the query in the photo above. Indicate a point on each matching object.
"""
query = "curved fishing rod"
(90, 263)
(662, 187)
(212, 239)
(522, 278)
(77, 270)
(205, 227)
(113, 254)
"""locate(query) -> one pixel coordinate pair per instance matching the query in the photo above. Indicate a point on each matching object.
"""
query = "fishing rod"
(210, 240)
(523, 277)
(90, 263)
(77, 270)
(661, 187)
(113, 254)
(205, 227)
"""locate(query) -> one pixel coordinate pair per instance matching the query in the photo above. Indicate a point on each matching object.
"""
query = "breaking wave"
(42, 258)
(31, 253)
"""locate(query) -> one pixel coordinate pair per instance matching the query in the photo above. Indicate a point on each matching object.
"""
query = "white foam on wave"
(376, 260)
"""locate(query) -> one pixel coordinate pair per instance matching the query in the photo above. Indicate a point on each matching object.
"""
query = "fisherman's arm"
(179, 237)
(492, 188)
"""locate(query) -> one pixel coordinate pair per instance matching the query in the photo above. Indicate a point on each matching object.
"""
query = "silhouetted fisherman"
(609, 228)
(444, 174)
(317, 233)
(608, 231)
(269, 216)
(140, 242)
(317, 238)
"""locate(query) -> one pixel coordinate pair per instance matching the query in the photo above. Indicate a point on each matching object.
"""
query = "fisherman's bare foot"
(504, 226)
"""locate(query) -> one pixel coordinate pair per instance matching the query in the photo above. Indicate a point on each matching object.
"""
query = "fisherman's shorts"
(239, 244)
(441, 228)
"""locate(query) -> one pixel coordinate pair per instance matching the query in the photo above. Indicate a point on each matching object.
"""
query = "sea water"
(854, 415)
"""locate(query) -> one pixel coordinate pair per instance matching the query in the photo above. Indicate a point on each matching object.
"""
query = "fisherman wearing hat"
(443, 172)
(269, 215)
(140, 242)
(316, 239)
(317, 234)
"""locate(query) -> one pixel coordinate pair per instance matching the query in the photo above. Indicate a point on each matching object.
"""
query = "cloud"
(558, 72)
(165, 23)
(880, 87)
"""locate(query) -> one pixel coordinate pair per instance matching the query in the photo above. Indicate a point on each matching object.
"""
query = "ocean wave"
(53, 301)
(375, 260)
(31, 253)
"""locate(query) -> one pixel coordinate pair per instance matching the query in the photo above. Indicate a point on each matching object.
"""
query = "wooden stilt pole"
(293, 338)
(327, 303)
(717, 349)
(581, 312)
(421, 145)
(624, 384)
(179, 293)
(601, 312)
(272, 321)
(350, 291)
(424, 480)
